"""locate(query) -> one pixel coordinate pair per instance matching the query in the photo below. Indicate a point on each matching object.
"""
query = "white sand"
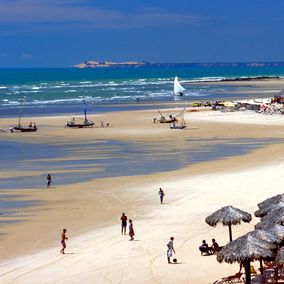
(104, 256)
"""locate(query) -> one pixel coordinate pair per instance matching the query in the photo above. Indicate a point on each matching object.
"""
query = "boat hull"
(23, 129)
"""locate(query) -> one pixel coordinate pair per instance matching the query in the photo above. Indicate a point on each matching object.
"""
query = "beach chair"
(252, 270)
(233, 278)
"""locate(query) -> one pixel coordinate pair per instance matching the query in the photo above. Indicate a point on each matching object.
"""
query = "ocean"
(62, 91)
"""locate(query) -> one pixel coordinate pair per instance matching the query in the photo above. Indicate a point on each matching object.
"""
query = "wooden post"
(230, 232)
(247, 271)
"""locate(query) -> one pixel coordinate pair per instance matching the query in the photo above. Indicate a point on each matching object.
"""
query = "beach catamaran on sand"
(30, 128)
(85, 123)
(178, 88)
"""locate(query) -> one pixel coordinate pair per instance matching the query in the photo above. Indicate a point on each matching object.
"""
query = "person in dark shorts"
(123, 219)
(215, 247)
(48, 180)
(63, 239)
(161, 194)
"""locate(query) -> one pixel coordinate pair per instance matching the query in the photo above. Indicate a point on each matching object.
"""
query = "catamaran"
(178, 88)
(30, 128)
(85, 123)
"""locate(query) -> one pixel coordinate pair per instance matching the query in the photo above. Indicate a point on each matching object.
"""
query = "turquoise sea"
(55, 91)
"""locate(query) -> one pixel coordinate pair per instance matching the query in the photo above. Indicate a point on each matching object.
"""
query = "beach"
(90, 210)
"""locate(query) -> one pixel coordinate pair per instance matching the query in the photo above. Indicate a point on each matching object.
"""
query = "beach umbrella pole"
(247, 271)
(230, 232)
(261, 266)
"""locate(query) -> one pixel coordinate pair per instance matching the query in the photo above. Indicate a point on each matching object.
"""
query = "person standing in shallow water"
(48, 180)
(63, 239)
(161, 194)
(131, 230)
(123, 219)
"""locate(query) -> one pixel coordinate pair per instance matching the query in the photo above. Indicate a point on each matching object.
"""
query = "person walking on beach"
(63, 239)
(170, 249)
(48, 180)
(161, 194)
(131, 230)
(123, 219)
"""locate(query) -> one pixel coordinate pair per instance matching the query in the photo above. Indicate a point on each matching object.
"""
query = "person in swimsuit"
(63, 238)
(48, 180)
(123, 219)
(161, 194)
(131, 230)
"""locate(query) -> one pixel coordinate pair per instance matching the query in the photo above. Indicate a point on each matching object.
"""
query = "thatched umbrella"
(228, 216)
(273, 217)
(273, 229)
(269, 208)
(271, 236)
(245, 249)
(274, 199)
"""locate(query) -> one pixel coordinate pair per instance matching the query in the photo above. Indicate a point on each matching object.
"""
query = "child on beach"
(131, 230)
(48, 180)
(123, 219)
(161, 194)
(63, 238)
(170, 249)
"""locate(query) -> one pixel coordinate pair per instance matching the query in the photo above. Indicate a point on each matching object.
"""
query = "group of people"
(204, 247)
(124, 219)
(131, 233)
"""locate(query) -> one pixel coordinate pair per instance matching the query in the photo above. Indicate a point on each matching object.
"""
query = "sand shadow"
(69, 253)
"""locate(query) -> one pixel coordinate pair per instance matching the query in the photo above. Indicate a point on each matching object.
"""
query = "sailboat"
(30, 128)
(178, 88)
(85, 123)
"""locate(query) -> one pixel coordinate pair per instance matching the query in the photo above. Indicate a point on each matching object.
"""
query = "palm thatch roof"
(268, 208)
(266, 235)
(273, 229)
(273, 199)
(244, 248)
(279, 260)
(228, 215)
(273, 217)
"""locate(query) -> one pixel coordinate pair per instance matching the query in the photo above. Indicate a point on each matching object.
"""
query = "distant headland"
(137, 64)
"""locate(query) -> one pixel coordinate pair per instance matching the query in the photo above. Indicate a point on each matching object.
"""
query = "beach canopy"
(228, 216)
(269, 208)
(246, 249)
(267, 235)
(271, 200)
(273, 217)
(273, 229)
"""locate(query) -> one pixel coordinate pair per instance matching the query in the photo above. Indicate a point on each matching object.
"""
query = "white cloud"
(72, 14)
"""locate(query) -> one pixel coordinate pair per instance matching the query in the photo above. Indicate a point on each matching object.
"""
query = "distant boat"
(85, 123)
(30, 128)
(178, 88)
(178, 121)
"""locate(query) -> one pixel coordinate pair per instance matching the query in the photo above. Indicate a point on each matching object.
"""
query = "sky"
(60, 33)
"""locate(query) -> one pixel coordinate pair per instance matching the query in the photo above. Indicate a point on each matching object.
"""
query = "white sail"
(178, 88)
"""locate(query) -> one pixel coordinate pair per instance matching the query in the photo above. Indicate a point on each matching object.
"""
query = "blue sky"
(60, 33)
